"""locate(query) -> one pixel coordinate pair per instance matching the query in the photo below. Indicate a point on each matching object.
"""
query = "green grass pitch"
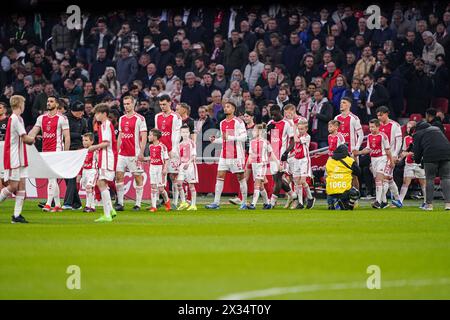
(315, 254)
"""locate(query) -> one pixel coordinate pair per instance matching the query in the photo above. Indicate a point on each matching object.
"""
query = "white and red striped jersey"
(158, 154)
(169, 125)
(301, 148)
(233, 146)
(394, 133)
(351, 130)
(280, 136)
(107, 156)
(52, 128)
(378, 144)
(15, 152)
(90, 162)
(187, 150)
(130, 128)
(406, 143)
(334, 141)
(260, 150)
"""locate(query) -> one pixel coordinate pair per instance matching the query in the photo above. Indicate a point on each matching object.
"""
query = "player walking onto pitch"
(89, 173)
(260, 152)
(107, 148)
(15, 158)
(302, 165)
(335, 138)
(232, 155)
(159, 161)
(412, 169)
(379, 149)
(187, 172)
(54, 127)
(394, 133)
(169, 124)
(131, 143)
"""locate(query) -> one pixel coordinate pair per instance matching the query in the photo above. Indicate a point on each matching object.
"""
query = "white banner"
(58, 165)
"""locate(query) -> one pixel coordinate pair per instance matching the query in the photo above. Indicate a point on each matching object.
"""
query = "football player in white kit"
(131, 143)
(15, 159)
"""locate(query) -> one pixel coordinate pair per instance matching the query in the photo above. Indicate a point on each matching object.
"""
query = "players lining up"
(281, 149)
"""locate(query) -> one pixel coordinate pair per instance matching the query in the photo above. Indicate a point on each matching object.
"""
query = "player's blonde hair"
(16, 101)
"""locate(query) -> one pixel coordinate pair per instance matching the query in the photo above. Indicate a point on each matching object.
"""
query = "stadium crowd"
(255, 59)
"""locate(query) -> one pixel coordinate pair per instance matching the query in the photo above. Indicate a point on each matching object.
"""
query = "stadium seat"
(447, 131)
(440, 104)
(365, 129)
(313, 146)
(415, 117)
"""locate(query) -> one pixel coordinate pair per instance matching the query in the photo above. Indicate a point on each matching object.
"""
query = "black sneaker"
(41, 204)
(376, 205)
(310, 203)
(300, 206)
(136, 208)
(19, 219)
(384, 205)
(118, 207)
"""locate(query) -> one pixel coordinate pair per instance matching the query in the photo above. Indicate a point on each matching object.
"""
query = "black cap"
(77, 106)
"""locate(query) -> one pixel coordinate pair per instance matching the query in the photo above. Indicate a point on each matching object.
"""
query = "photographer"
(432, 148)
(341, 168)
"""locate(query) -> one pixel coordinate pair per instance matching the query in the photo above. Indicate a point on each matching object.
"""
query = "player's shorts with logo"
(172, 166)
(301, 168)
(15, 174)
(89, 177)
(156, 175)
(259, 171)
(189, 175)
(104, 174)
(413, 170)
(232, 165)
(130, 163)
(379, 164)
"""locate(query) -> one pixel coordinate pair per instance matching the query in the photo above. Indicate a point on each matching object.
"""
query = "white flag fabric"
(47, 165)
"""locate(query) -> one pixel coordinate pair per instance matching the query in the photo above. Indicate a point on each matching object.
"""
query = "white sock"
(20, 197)
(91, 198)
(155, 196)
(299, 191)
(175, 193)
(244, 190)
(193, 196)
(394, 189)
(308, 191)
(120, 193)
(182, 194)
(292, 194)
(385, 190)
(56, 194)
(403, 192)
(4, 194)
(107, 205)
(379, 190)
(219, 189)
(264, 196)
(50, 191)
(273, 200)
(139, 192)
(256, 193)
(164, 195)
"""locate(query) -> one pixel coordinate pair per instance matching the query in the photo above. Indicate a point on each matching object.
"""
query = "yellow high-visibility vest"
(339, 177)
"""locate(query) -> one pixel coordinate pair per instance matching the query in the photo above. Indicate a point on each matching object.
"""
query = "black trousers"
(72, 198)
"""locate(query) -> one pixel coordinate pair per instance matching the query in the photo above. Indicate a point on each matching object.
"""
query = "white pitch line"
(271, 292)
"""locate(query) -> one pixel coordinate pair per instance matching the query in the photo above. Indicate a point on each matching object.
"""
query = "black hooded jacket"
(430, 144)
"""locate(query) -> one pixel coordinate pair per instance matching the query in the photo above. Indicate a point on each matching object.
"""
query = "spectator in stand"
(375, 95)
(272, 88)
(126, 66)
(111, 82)
(253, 70)
(419, 89)
(292, 54)
(126, 38)
(321, 112)
(99, 66)
(234, 94)
(430, 51)
(330, 77)
(62, 37)
(235, 54)
(204, 128)
(220, 80)
(338, 92)
(440, 78)
(366, 64)
(192, 94)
